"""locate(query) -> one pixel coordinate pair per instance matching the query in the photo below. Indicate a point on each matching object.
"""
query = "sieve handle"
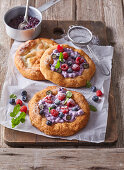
(104, 69)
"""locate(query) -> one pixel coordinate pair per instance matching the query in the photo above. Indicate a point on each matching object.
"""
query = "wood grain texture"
(59, 159)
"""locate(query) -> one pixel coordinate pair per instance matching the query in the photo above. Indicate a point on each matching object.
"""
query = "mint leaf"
(61, 57)
(58, 64)
(50, 108)
(88, 84)
(93, 108)
(66, 100)
(17, 120)
(15, 110)
(68, 94)
(13, 96)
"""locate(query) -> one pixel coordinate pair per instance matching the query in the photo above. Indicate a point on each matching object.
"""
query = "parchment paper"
(15, 82)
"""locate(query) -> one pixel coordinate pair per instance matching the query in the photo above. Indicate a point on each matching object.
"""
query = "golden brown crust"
(57, 78)
(28, 55)
(58, 129)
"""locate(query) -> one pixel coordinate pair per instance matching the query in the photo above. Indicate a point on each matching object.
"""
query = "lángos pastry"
(28, 55)
(58, 112)
(67, 66)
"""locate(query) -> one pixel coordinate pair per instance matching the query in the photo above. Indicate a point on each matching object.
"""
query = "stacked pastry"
(56, 110)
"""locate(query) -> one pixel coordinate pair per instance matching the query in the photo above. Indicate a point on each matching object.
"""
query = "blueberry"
(69, 70)
(48, 92)
(12, 101)
(69, 63)
(61, 115)
(24, 98)
(24, 93)
(85, 65)
(53, 106)
(68, 117)
(95, 98)
(57, 55)
(53, 55)
(41, 112)
(57, 102)
(49, 123)
(41, 106)
(93, 88)
(75, 108)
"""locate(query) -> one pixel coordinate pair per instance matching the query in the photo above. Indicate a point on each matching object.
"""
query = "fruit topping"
(49, 123)
(57, 102)
(61, 96)
(93, 88)
(59, 70)
(65, 55)
(48, 99)
(64, 109)
(64, 67)
(69, 70)
(41, 112)
(75, 108)
(85, 65)
(23, 109)
(24, 98)
(95, 98)
(99, 93)
(48, 92)
(79, 60)
(12, 101)
(75, 67)
(54, 112)
(53, 55)
(70, 103)
(24, 93)
(53, 106)
(61, 115)
(41, 106)
(18, 101)
(60, 48)
(69, 63)
(68, 117)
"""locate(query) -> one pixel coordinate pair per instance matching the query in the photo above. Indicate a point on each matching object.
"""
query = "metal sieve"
(81, 36)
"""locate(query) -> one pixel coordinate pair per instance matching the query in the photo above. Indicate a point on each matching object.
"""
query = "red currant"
(61, 96)
(75, 67)
(23, 109)
(48, 99)
(70, 103)
(64, 109)
(65, 55)
(54, 112)
(79, 60)
(99, 93)
(60, 48)
(64, 67)
(18, 101)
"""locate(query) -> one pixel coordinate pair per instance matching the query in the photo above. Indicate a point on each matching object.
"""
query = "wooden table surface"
(111, 12)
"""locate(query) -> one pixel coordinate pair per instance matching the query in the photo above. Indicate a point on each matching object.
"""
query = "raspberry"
(18, 101)
(60, 48)
(61, 96)
(54, 112)
(64, 109)
(70, 103)
(99, 93)
(23, 109)
(79, 60)
(75, 67)
(64, 67)
(65, 55)
(48, 99)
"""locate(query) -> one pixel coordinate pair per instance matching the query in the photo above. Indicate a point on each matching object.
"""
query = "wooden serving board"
(55, 29)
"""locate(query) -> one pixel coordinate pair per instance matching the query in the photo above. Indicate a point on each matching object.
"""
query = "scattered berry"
(69, 70)
(49, 123)
(69, 63)
(23, 109)
(65, 55)
(99, 93)
(12, 101)
(79, 60)
(64, 67)
(24, 98)
(70, 103)
(24, 93)
(61, 115)
(61, 96)
(57, 102)
(60, 48)
(18, 101)
(64, 109)
(95, 98)
(93, 88)
(75, 67)
(54, 112)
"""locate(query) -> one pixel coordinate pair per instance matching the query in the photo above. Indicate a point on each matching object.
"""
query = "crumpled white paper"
(15, 82)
